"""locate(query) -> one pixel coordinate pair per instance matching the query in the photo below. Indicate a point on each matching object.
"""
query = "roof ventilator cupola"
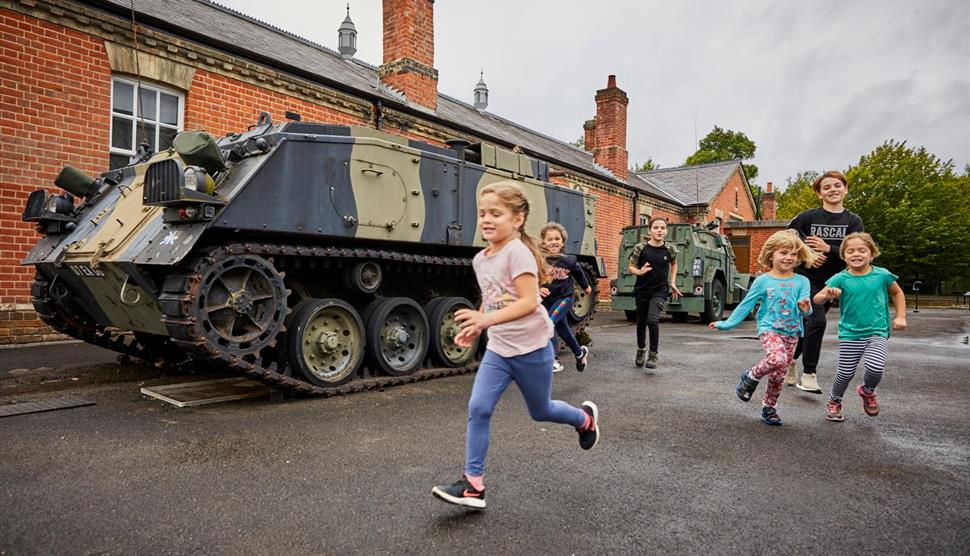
(481, 93)
(347, 37)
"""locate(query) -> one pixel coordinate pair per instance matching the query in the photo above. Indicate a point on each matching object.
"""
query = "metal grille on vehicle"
(163, 182)
(36, 203)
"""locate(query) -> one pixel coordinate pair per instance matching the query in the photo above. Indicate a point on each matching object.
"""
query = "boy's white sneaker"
(791, 377)
(808, 383)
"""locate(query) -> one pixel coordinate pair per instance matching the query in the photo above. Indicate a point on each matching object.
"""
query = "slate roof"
(692, 184)
(228, 30)
(654, 187)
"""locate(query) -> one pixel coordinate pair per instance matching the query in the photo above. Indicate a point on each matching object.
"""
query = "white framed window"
(644, 218)
(139, 113)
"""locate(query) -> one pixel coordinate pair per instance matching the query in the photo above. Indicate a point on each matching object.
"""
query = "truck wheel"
(325, 341)
(630, 315)
(397, 335)
(714, 307)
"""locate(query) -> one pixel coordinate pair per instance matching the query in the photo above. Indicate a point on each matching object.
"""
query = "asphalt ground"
(682, 467)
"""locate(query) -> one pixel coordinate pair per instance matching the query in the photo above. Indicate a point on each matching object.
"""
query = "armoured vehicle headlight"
(60, 204)
(197, 179)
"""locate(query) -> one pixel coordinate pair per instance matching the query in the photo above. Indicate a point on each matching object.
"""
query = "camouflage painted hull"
(222, 261)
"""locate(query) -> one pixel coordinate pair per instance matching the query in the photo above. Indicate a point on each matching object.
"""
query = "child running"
(557, 296)
(823, 230)
(654, 263)
(519, 330)
(864, 323)
(784, 298)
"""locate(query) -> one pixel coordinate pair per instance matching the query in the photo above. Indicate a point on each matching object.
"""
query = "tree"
(798, 195)
(720, 145)
(579, 143)
(916, 208)
(644, 167)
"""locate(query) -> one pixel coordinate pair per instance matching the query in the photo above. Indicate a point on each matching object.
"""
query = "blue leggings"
(533, 373)
(558, 313)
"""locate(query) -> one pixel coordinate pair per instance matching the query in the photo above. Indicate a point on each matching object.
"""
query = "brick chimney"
(589, 134)
(768, 205)
(609, 148)
(409, 51)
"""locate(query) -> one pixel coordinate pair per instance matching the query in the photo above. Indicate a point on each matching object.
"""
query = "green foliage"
(916, 208)
(798, 196)
(720, 145)
(579, 143)
(644, 167)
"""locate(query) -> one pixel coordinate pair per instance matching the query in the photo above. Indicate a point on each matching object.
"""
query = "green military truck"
(706, 273)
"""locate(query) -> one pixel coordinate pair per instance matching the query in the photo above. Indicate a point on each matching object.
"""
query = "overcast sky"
(815, 84)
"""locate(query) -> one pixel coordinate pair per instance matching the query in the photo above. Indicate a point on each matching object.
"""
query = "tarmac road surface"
(682, 467)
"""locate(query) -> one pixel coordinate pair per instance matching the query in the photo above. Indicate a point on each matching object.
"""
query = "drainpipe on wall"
(636, 208)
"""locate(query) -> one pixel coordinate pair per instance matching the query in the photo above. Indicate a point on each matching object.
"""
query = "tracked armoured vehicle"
(315, 257)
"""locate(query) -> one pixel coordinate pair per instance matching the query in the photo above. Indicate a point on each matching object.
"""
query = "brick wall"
(757, 233)
(735, 189)
(219, 104)
(55, 97)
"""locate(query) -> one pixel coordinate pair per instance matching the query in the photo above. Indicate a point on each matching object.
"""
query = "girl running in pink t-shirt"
(519, 330)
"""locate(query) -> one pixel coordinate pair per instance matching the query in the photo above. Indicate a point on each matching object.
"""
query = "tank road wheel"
(444, 327)
(325, 341)
(714, 307)
(585, 304)
(397, 335)
(363, 277)
(241, 304)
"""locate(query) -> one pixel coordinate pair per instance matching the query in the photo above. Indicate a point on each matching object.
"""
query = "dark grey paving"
(683, 466)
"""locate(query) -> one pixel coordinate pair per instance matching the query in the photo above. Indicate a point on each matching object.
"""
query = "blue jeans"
(532, 372)
(558, 313)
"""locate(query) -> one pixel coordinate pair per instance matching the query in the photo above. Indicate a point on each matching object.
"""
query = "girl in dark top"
(823, 230)
(654, 263)
(557, 295)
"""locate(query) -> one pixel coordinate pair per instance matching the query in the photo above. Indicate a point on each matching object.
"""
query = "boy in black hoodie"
(823, 230)
(558, 297)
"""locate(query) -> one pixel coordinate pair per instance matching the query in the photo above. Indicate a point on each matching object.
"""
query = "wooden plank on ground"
(188, 394)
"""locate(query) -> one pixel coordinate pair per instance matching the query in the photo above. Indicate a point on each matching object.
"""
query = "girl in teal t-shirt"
(864, 322)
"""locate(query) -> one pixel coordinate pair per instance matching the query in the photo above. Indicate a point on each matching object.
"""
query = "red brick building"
(81, 83)
(747, 237)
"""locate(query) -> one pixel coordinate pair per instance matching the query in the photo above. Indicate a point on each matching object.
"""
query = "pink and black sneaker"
(461, 493)
(590, 434)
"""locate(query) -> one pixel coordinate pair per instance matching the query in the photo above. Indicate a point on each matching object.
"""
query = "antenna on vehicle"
(138, 101)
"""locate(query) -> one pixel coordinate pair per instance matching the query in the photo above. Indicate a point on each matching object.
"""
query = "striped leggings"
(874, 349)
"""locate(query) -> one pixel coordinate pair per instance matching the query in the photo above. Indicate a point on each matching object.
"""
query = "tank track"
(72, 323)
(180, 290)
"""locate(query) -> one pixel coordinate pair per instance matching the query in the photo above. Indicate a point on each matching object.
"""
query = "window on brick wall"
(142, 113)
(644, 219)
